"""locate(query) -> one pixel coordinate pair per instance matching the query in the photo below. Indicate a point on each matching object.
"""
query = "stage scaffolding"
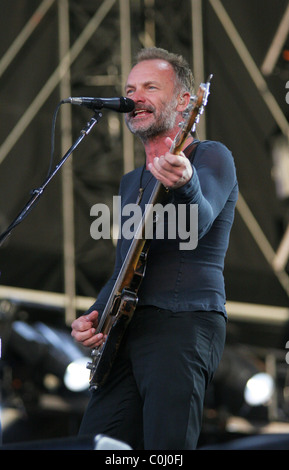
(68, 53)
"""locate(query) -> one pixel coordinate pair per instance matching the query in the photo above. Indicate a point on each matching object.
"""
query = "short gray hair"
(182, 70)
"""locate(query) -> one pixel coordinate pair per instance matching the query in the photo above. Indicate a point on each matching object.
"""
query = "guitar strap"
(190, 150)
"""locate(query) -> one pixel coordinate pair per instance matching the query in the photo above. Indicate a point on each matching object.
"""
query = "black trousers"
(154, 396)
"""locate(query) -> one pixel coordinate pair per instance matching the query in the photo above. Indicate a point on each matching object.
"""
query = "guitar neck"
(140, 237)
(132, 257)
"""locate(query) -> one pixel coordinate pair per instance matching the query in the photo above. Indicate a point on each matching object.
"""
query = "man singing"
(153, 397)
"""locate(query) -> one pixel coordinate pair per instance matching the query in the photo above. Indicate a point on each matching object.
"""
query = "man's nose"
(138, 96)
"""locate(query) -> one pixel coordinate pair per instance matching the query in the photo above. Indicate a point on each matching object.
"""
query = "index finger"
(92, 315)
(175, 160)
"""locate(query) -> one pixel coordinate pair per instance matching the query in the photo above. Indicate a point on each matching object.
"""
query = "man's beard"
(164, 121)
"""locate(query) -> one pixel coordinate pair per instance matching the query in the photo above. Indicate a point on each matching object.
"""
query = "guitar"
(123, 299)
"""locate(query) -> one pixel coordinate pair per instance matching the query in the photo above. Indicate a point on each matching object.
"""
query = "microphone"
(122, 104)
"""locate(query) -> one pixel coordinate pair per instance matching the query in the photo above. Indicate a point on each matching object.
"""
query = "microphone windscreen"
(126, 105)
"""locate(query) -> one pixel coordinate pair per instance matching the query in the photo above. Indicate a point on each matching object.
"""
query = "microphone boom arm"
(36, 193)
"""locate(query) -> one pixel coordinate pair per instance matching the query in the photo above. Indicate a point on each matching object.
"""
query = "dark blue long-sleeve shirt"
(181, 279)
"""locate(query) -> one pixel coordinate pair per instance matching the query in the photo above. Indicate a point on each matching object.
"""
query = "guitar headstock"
(192, 115)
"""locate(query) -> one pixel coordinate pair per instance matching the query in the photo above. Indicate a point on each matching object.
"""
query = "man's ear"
(183, 101)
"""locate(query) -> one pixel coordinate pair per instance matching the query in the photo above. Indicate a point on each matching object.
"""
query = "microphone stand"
(36, 193)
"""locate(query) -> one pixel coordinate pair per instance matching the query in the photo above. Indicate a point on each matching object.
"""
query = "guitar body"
(121, 308)
(123, 299)
(104, 356)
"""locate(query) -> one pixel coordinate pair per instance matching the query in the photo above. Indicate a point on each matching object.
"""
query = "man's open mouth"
(141, 112)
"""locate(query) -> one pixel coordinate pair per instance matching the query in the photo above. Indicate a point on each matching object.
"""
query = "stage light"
(76, 377)
(240, 383)
(57, 359)
(259, 389)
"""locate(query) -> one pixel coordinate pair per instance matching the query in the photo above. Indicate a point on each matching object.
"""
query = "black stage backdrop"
(236, 115)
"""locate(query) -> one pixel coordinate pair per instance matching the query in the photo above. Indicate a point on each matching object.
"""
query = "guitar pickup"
(129, 300)
(115, 305)
(124, 303)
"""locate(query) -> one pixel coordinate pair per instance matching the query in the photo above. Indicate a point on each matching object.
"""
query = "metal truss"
(277, 260)
(61, 78)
